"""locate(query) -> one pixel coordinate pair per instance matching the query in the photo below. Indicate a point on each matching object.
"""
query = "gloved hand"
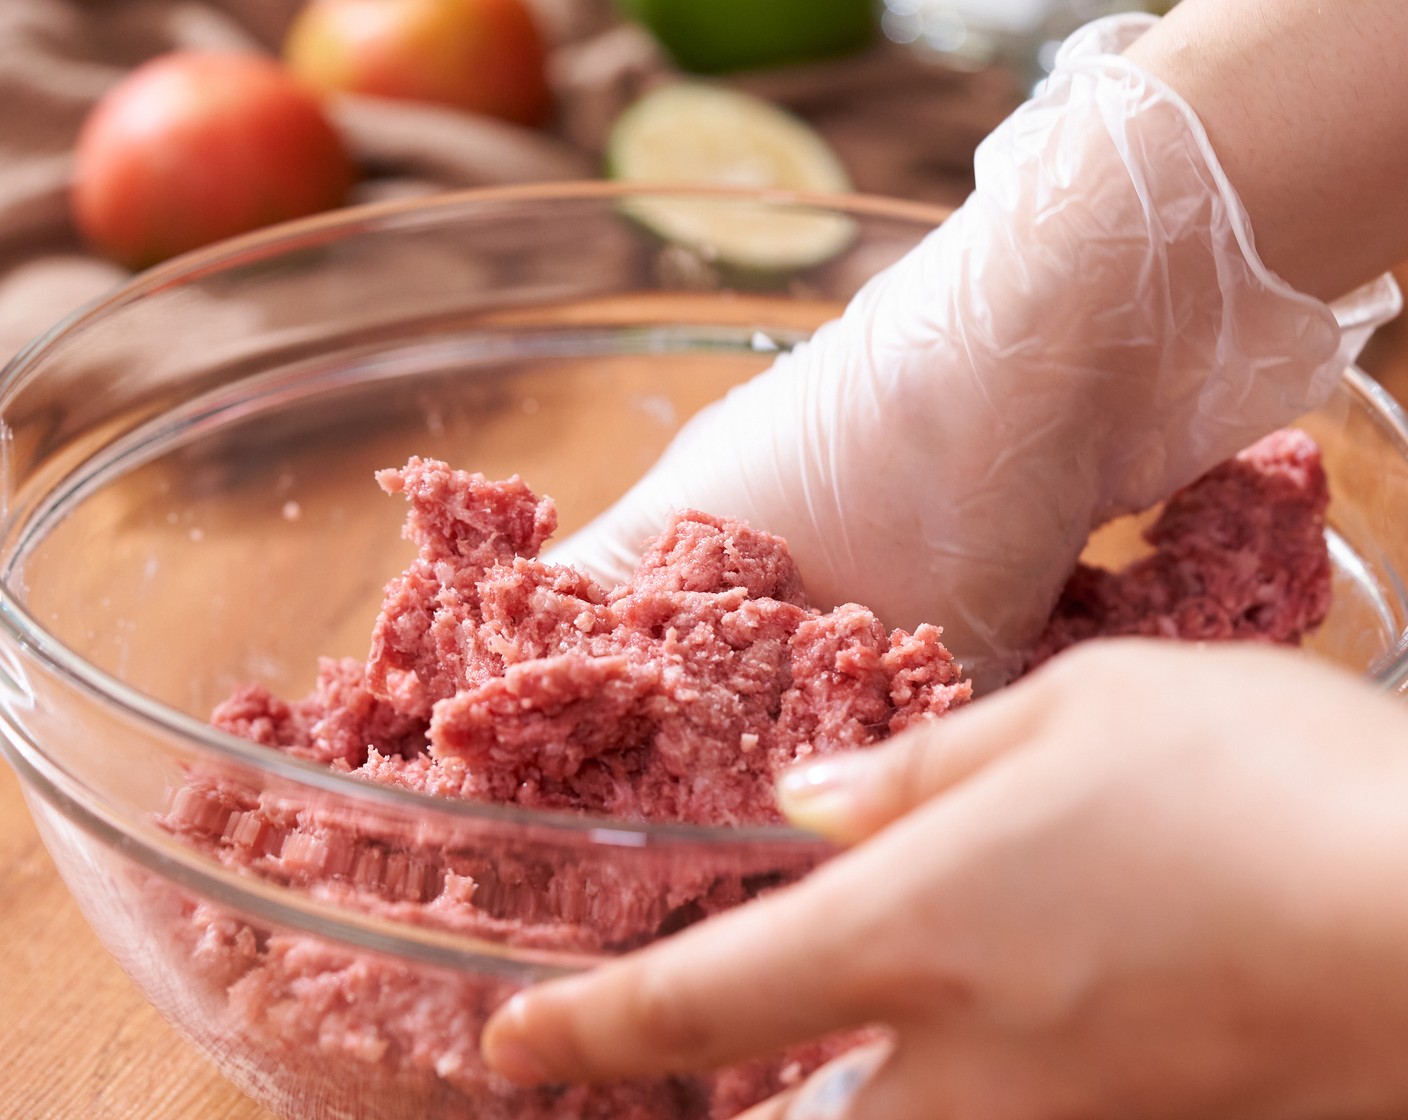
(1091, 330)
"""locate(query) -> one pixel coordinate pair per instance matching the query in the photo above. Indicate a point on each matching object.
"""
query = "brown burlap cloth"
(903, 124)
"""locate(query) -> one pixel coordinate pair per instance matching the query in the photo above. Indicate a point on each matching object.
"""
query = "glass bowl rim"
(206, 743)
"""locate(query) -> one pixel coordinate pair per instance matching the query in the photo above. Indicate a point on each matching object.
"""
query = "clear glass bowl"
(188, 505)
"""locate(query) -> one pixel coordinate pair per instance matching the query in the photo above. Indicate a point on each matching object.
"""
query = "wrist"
(1304, 102)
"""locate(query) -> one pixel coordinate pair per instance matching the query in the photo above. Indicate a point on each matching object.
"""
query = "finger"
(848, 797)
(787, 968)
(601, 548)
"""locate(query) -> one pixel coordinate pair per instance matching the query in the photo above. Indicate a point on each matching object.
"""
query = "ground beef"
(680, 696)
(1240, 554)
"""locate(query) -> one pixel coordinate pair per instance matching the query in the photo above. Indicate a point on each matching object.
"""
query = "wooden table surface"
(77, 1039)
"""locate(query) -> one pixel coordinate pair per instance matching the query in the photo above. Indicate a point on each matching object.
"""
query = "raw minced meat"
(1239, 555)
(680, 696)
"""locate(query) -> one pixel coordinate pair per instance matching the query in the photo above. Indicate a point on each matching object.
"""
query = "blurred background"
(901, 91)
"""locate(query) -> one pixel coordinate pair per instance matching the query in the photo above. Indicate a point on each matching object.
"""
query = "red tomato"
(191, 147)
(482, 55)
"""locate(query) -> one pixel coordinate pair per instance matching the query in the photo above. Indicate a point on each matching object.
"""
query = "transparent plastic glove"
(1091, 330)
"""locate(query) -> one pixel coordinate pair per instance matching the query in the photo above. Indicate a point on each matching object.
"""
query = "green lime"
(718, 36)
(693, 133)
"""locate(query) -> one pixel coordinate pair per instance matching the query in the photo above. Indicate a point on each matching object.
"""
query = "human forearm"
(1306, 104)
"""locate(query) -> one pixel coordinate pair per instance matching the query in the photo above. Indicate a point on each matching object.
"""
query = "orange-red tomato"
(485, 56)
(193, 147)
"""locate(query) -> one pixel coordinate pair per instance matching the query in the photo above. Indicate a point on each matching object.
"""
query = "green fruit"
(719, 36)
(693, 133)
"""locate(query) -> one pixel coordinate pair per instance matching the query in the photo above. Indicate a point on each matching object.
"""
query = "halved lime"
(693, 133)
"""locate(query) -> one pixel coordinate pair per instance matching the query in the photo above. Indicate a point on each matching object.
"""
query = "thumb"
(848, 797)
(706, 467)
(608, 548)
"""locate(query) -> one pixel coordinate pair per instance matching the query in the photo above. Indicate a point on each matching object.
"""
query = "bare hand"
(1148, 881)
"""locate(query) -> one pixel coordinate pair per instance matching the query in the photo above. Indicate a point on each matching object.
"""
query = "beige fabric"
(902, 125)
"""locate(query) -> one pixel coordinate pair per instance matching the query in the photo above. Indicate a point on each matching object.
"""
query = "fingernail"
(829, 1093)
(505, 1051)
(820, 795)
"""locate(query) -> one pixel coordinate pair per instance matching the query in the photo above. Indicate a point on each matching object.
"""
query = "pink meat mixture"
(1238, 555)
(495, 676)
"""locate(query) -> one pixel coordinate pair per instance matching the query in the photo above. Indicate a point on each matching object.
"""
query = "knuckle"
(1126, 673)
(1077, 662)
(667, 1021)
(909, 773)
(559, 1036)
(934, 994)
(892, 971)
